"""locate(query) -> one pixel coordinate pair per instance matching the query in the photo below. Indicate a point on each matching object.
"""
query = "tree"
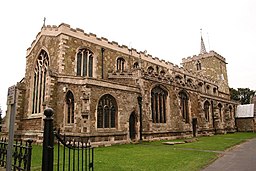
(243, 95)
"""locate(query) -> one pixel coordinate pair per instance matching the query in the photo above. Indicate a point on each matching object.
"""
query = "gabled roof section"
(245, 111)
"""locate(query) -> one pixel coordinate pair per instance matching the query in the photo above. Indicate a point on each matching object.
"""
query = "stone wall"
(245, 124)
(62, 44)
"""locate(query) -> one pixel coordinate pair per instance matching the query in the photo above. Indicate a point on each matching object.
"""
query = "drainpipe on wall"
(102, 62)
(140, 110)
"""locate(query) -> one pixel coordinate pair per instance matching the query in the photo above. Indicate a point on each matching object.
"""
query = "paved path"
(241, 158)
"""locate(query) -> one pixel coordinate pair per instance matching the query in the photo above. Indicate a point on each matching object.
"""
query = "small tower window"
(198, 65)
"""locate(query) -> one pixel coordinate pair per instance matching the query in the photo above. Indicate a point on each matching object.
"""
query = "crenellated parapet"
(66, 29)
(204, 55)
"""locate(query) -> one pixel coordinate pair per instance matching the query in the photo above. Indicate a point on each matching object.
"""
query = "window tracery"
(106, 112)
(120, 64)
(158, 105)
(39, 85)
(84, 63)
(184, 105)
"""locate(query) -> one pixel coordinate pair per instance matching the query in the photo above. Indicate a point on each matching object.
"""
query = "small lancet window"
(70, 106)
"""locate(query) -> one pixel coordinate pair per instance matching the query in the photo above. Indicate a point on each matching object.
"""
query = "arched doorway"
(132, 126)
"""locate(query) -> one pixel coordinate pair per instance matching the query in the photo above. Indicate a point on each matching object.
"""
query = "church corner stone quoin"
(94, 85)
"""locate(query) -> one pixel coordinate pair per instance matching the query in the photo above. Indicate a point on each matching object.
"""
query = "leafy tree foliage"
(243, 95)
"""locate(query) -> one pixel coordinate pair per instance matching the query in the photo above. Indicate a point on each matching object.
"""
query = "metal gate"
(70, 153)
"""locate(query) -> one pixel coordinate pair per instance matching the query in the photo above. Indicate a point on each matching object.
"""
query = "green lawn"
(150, 156)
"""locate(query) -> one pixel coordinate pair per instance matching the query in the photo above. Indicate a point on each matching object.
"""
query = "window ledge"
(106, 129)
(69, 126)
(35, 115)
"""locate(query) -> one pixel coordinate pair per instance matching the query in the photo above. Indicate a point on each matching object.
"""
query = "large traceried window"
(70, 106)
(84, 65)
(184, 105)
(206, 110)
(120, 64)
(39, 85)
(158, 105)
(106, 112)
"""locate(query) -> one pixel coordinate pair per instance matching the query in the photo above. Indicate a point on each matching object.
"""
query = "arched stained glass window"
(106, 112)
(184, 105)
(84, 63)
(158, 105)
(120, 64)
(206, 110)
(39, 85)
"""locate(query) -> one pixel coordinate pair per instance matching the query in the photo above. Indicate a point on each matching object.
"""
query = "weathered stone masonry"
(104, 80)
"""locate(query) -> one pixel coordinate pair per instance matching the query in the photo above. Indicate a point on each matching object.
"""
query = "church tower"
(211, 65)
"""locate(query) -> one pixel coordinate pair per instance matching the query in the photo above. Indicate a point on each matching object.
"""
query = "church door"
(194, 123)
(132, 128)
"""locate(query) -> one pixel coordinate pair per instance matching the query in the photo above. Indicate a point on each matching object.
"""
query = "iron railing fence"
(21, 155)
(71, 153)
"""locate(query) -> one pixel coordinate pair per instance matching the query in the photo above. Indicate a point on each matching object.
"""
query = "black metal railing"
(21, 156)
(71, 153)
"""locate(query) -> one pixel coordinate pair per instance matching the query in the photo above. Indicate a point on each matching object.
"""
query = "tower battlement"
(204, 55)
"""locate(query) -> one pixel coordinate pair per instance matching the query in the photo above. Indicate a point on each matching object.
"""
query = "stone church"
(112, 94)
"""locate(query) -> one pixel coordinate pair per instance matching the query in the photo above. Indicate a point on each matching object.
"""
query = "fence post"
(29, 154)
(48, 141)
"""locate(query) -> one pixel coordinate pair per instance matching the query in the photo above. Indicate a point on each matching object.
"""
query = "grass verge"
(154, 156)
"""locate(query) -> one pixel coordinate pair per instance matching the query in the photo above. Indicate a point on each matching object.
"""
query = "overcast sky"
(167, 29)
